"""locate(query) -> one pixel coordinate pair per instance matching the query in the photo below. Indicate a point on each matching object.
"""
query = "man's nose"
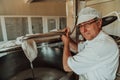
(84, 29)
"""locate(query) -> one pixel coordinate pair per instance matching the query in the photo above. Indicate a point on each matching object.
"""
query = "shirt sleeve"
(85, 60)
(92, 57)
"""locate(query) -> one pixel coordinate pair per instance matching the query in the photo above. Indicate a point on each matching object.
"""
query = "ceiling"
(32, 1)
(89, 2)
(48, 0)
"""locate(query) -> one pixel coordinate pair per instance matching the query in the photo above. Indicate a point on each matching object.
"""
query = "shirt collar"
(100, 34)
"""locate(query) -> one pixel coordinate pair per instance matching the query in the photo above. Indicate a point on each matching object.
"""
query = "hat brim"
(108, 20)
(84, 18)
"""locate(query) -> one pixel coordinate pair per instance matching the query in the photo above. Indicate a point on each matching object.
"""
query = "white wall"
(113, 28)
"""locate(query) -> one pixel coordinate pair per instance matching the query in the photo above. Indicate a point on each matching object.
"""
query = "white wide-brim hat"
(87, 14)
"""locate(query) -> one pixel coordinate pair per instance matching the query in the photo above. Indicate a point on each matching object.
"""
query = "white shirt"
(97, 59)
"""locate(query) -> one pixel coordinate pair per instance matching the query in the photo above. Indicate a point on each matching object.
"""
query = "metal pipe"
(50, 34)
(18, 48)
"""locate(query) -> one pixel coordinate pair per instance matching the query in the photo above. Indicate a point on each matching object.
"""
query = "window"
(1, 35)
(37, 25)
(62, 22)
(51, 24)
(16, 26)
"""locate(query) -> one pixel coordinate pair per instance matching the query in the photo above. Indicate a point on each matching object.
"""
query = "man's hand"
(66, 51)
(65, 38)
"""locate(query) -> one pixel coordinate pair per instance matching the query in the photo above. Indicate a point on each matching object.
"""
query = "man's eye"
(89, 23)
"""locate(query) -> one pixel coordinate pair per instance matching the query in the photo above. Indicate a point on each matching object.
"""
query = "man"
(97, 57)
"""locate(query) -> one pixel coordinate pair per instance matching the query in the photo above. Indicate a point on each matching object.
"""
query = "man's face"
(90, 29)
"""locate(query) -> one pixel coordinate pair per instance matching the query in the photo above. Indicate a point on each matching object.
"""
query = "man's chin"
(88, 38)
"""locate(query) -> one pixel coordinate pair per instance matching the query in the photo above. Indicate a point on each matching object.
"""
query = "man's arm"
(73, 45)
(68, 42)
(66, 53)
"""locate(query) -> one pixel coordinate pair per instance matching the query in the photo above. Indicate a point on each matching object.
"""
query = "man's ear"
(99, 23)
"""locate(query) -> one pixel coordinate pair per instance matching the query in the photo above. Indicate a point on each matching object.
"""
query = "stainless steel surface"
(40, 74)
(12, 65)
(18, 48)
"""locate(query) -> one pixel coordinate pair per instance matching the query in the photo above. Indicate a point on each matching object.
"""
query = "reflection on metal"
(18, 48)
(47, 51)
(10, 49)
(67, 76)
(50, 45)
(40, 74)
